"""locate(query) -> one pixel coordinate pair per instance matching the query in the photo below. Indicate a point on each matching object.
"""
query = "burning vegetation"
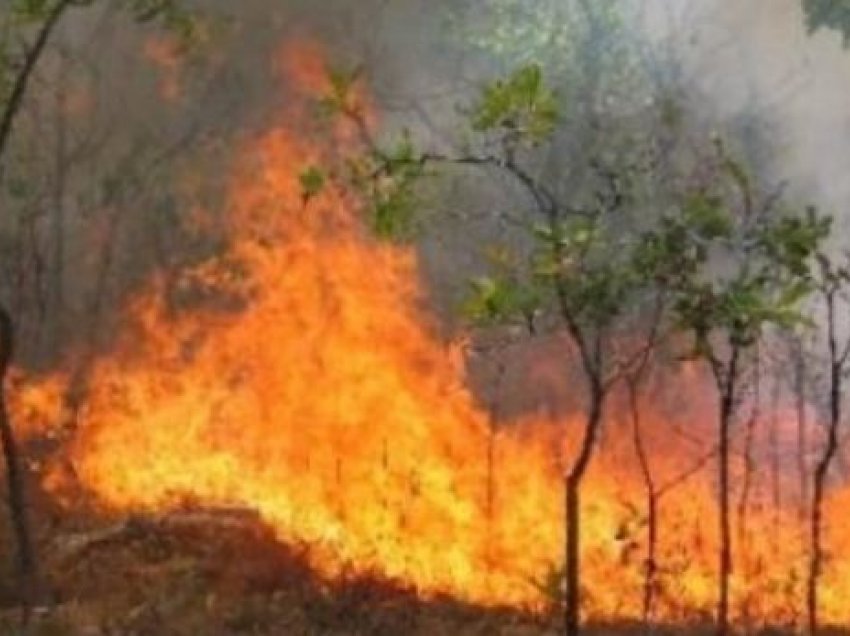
(279, 439)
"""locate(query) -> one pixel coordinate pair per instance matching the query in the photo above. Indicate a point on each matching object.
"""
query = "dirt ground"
(221, 572)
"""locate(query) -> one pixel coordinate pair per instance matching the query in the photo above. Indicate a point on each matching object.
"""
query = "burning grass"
(222, 572)
(319, 397)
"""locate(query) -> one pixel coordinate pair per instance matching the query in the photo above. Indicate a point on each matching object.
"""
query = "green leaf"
(500, 299)
(31, 10)
(521, 105)
(829, 14)
(312, 181)
(392, 215)
(792, 241)
(339, 99)
(708, 217)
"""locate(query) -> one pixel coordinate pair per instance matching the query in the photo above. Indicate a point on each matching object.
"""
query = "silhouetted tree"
(765, 274)
(832, 284)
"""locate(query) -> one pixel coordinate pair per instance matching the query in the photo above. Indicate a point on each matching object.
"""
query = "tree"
(828, 14)
(831, 285)
(26, 563)
(732, 263)
(49, 16)
(33, 23)
(760, 276)
(800, 379)
(585, 273)
(655, 490)
(18, 65)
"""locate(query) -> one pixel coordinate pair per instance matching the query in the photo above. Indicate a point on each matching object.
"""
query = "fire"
(37, 405)
(313, 389)
(324, 402)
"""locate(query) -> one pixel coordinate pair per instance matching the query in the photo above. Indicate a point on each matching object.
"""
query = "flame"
(37, 405)
(312, 388)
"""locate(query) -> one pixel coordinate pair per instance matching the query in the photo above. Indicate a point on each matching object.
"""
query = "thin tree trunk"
(802, 426)
(651, 571)
(14, 477)
(775, 459)
(651, 564)
(727, 407)
(822, 469)
(749, 459)
(26, 561)
(749, 470)
(572, 509)
(816, 556)
(725, 567)
(22, 79)
(573, 538)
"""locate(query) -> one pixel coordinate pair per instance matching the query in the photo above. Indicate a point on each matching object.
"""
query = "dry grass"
(215, 573)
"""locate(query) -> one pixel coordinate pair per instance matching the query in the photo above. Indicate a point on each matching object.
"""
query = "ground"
(221, 572)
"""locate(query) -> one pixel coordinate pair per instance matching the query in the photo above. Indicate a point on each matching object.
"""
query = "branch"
(544, 199)
(19, 89)
(687, 474)
(718, 369)
(591, 370)
(845, 353)
(635, 365)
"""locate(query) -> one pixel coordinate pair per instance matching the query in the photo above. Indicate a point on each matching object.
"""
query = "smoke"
(747, 69)
(756, 62)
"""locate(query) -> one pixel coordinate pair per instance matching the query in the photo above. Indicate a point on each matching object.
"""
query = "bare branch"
(31, 58)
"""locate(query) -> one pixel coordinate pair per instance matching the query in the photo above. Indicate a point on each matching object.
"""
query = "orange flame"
(37, 406)
(326, 403)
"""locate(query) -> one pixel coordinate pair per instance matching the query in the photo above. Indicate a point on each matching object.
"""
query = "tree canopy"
(828, 14)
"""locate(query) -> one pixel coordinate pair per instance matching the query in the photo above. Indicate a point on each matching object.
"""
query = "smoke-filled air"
(449, 317)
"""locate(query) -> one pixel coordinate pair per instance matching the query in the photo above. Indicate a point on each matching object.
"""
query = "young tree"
(41, 18)
(655, 489)
(750, 268)
(800, 380)
(14, 476)
(595, 264)
(634, 381)
(751, 425)
(586, 272)
(832, 282)
(48, 16)
(589, 275)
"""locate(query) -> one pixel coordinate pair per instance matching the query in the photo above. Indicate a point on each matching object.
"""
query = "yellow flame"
(327, 403)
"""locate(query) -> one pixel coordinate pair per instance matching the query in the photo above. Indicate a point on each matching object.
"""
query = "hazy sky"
(760, 50)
